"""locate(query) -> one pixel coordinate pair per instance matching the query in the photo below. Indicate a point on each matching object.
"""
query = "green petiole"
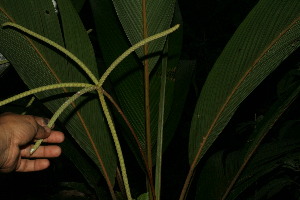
(87, 88)
(59, 111)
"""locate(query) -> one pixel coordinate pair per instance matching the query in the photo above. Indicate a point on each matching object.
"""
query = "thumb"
(43, 131)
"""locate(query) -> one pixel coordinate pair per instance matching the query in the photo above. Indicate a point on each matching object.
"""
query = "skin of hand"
(17, 133)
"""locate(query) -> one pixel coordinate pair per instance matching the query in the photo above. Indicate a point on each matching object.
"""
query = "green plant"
(146, 117)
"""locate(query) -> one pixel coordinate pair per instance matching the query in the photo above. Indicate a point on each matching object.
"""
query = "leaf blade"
(46, 65)
(233, 79)
(158, 18)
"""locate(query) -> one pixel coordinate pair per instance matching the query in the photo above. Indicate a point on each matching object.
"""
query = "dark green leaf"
(157, 16)
(38, 65)
(127, 79)
(86, 167)
(78, 4)
(229, 168)
(267, 36)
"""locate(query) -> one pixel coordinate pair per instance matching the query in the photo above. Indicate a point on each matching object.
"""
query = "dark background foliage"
(208, 25)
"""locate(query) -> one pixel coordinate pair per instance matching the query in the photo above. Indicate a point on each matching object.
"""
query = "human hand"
(17, 132)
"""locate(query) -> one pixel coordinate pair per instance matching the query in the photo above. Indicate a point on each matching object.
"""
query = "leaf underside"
(223, 172)
(128, 82)
(158, 15)
(39, 65)
(268, 35)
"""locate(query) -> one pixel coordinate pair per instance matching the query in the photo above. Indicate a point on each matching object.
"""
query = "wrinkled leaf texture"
(38, 65)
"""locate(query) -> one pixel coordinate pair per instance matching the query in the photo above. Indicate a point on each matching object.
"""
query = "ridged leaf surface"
(38, 64)
(156, 16)
(268, 35)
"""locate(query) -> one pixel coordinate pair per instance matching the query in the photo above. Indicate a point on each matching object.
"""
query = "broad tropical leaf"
(266, 159)
(141, 18)
(38, 65)
(229, 172)
(268, 35)
(127, 79)
(86, 166)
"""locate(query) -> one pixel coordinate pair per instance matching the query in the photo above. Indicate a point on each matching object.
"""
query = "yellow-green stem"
(117, 143)
(42, 89)
(3, 62)
(59, 111)
(57, 46)
(112, 67)
(133, 48)
(87, 88)
(29, 104)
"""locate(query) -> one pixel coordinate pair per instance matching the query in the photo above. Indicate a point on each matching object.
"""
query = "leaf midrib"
(65, 90)
(196, 159)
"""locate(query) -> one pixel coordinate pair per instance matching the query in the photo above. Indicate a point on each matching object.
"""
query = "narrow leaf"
(160, 126)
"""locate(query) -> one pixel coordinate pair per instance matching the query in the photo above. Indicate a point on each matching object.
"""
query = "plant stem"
(59, 111)
(133, 134)
(57, 46)
(124, 55)
(161, 123)
(3, 62)
(187, 183)
(117, 143)
(42, 89)
(133, 48)
(29, 104)
(127, 123)
(147, 100)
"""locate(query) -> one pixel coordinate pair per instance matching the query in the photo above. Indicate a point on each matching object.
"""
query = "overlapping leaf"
(267, 158)
(267, 36)
(157, 16)
(38, 64)
(225, 171)
(127, 78)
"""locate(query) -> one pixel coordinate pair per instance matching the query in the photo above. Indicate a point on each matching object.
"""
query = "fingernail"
(46, 121)
(47, 129)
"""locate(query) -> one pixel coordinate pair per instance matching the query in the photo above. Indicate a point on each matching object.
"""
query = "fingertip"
(57, 151)
(42, 164)
(61, 137)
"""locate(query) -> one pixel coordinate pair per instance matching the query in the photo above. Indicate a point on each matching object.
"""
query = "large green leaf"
(157, 16)
(266, 37)
(222, 171)
(86, 166)
(267, 158)
(78, 4)
(39, 65)
(127, 79)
